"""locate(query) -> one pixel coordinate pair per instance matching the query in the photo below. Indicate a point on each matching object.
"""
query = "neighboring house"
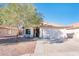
(8, 31)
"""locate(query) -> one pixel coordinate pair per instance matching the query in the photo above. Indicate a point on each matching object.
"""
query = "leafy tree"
(20, 14)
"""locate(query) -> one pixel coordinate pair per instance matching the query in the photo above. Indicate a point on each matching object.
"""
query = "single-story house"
(46, 31)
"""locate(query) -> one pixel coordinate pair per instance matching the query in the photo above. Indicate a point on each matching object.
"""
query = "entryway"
(36, 32)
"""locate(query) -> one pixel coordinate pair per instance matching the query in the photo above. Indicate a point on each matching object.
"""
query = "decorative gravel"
(17, 48)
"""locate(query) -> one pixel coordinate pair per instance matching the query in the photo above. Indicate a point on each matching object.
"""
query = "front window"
(27, 31)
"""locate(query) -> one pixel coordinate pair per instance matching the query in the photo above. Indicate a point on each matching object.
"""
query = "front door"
(36, 32)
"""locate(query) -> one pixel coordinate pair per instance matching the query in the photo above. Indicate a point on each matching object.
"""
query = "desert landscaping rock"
(18, 48)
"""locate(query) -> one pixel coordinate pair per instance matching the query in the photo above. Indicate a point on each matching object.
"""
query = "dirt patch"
(18, 48)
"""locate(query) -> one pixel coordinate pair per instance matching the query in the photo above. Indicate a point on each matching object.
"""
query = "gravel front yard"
(16, 49)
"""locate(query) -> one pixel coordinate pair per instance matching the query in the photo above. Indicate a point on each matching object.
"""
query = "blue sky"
(59, 13)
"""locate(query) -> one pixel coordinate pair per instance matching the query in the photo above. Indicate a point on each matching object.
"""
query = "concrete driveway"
(68, 48)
